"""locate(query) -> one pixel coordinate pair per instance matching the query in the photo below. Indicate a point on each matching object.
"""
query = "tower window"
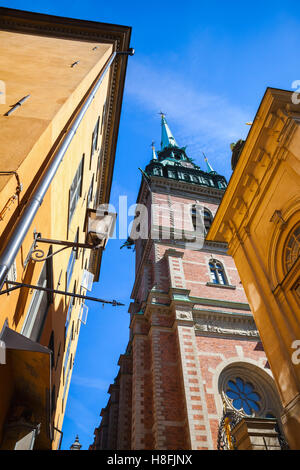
(217, 273)
(208, 218)
(194, 216)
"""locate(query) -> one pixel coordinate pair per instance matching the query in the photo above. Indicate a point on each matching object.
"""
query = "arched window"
(156, 171)
(194, 215)
(207, 217)
(292, 249)
(217, 272)
(243, 396)
(248, 390)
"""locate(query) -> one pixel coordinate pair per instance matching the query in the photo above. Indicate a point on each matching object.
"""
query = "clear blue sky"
(206, 65)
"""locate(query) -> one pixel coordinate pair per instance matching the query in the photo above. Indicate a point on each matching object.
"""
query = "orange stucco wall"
(41, 66)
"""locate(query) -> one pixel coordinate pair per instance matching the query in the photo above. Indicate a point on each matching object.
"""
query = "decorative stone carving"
(184, 315)
(225, 325)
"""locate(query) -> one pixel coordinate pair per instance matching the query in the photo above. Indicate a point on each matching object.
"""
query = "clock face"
(187, 164)
(292, 249)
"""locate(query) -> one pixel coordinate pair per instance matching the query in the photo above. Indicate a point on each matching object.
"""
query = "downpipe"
(15, 240)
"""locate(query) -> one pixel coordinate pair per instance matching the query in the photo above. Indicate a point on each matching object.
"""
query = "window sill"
(223, 286)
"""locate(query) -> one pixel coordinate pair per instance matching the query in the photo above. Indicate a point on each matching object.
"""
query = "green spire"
(209, 167)
(167, 139)
(154, 156)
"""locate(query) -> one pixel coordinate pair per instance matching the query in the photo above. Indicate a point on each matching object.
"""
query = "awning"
(25, 386)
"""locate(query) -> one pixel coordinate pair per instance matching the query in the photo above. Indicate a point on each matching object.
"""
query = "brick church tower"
(194, 353)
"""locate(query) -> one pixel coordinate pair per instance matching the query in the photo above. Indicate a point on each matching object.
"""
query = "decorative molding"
(278, 219)
(209, 323)
(221, 303)
(223, 286)
(184, 314)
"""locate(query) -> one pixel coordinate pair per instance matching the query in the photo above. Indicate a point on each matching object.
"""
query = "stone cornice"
(221, 303)
(57, 26)
(209, 246)
(196, 301)
(186, 189)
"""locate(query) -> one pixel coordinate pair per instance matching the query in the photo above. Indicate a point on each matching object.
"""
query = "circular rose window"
(243, 396)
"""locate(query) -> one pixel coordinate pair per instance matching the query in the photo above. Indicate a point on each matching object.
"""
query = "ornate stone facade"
(259, 219)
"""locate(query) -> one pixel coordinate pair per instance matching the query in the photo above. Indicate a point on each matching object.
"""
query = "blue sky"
(206, 65)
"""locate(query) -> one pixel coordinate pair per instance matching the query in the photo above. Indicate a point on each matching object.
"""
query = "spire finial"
(209, 167)
(154, 156)
(76, 444)
(167, 139)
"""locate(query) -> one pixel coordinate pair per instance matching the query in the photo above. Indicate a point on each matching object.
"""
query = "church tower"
(194, 353)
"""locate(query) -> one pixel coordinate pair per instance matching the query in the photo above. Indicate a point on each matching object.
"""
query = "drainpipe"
(22, 226)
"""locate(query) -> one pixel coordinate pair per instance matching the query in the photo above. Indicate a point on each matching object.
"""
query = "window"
(194, 212)
(90, 193)
(38, 309)
(103, 116)
(208, 218)
(217, 273)
(69, 312)
(75, 189)
(99, 163)
(51, 347)
(206, 215)
(242, 395)
(71, 262)
(156, 171)
(222, 184)
(94, 140)
(292, 249)
(203, 180)
(67, 355)
(70, 267)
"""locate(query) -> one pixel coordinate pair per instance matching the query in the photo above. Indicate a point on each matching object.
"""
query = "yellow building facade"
(259, 218)
(62, 84)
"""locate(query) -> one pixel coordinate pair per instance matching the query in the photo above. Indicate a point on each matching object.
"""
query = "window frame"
(76, 193)
(217, 273)
(31, 328)
(95, 138)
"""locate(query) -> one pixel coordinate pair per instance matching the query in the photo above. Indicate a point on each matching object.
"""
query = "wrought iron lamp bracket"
(37, 254)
